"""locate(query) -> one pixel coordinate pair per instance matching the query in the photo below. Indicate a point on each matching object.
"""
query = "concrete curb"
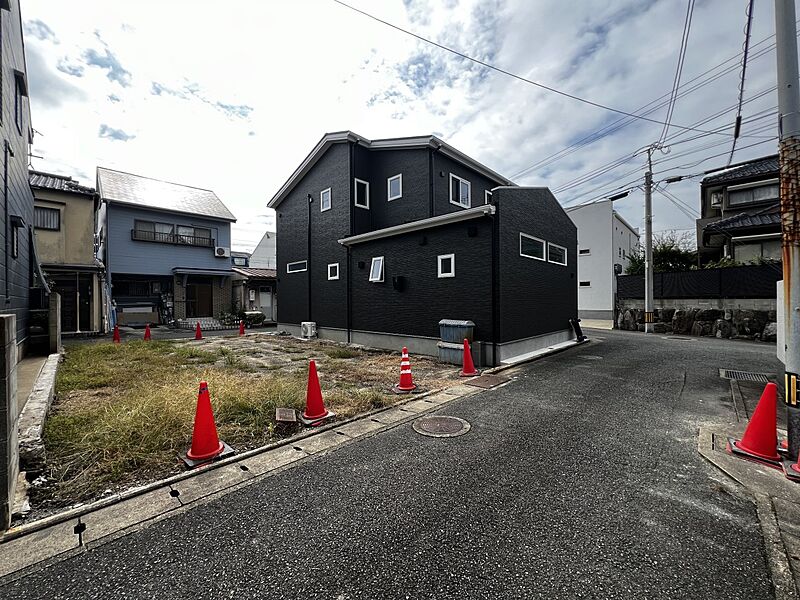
(32, 418)
(62, 535)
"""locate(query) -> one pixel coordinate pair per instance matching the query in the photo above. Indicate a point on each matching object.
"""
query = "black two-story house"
(378, 240)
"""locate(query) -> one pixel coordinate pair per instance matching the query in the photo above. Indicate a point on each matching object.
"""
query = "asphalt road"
(580, 479)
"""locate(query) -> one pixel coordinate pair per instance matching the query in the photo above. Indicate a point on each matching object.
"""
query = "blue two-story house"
(166, 249)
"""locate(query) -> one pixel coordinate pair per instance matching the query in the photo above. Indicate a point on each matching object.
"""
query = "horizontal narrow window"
(297, 267)
(333, 271)
(46, 218)
(556, 254)
(446, 265)
(531, 247)
(376, 270)
(585, 284)
(362, 193)
(585, 251)
(394, 187)
(325, 200)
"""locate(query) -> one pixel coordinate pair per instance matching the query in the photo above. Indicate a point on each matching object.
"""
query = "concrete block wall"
(9, 418)
(54, 322)
(222, 296)
(179, 297)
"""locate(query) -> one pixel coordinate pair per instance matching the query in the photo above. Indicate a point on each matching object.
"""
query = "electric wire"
(687, 26)
(738, 122)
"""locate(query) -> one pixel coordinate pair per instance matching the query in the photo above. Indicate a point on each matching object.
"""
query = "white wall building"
(604, 239)
(264, 255)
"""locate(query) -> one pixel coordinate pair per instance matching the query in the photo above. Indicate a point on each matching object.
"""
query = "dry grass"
(124, 412)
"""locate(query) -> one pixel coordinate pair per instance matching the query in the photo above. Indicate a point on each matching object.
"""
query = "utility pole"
(648, 243)
(789, 131)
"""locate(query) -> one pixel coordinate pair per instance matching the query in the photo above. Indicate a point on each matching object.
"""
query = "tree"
(672, 251)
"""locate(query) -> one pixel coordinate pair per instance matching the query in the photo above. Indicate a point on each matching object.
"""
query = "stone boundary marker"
(32, 417)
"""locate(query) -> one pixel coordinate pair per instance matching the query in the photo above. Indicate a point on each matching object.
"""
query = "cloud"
(114, 134)
(70, 69)
(108, 61)
(48, 90)
(113, 98)
(192, 91)
(234, 110)
(40, 30)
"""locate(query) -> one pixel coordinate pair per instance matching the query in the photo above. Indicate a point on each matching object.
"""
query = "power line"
(510, 74)
(738, 122)
(687, 25)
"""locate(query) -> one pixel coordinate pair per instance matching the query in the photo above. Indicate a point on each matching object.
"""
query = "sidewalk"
(28, 370)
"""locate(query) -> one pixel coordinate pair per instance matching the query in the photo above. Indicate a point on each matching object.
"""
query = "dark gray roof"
(126, 188)
(60, 183)
(240, 254)
(766, 166)
(768, 217)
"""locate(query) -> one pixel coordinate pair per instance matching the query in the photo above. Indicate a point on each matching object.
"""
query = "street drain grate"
(441, 426)
(744, 375)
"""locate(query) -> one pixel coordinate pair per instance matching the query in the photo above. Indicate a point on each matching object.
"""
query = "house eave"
(455, 217)
(170, 210)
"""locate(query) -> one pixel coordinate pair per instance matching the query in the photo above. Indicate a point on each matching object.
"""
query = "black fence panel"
(756, 281)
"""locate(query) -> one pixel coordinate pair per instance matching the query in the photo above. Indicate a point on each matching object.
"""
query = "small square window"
(325, 200)
(46, 218)
(556, 254)
(460, 191)
(446, 265)
(585, 284)
(362, 193)
(333, 271)
(531, 247)
(394, 187)
(376, 270)
(297, 267)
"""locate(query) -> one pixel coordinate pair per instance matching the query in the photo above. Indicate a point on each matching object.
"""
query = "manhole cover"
(487, 381)
(744, 375)
(441, 426)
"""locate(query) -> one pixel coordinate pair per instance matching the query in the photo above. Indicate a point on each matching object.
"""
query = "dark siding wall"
(414, 205)
(426, 299)
(20, 198)
(329, 300)
(535, 297)
(362, 169)
(443, 164)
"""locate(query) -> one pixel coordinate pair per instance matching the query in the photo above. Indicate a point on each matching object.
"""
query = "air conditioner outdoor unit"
(308, 329)
(222, 252)
(716, 199)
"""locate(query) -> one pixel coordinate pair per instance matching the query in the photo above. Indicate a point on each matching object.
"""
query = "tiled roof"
(256, 273)
(766, 218)
(117, 186)
(61, 183)
(759, 167)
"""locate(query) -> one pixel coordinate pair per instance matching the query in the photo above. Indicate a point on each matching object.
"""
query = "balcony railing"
(172, 238)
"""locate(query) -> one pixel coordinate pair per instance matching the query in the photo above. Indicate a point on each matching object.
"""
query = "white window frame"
(584, 251)
(330, 200)
(461, 180)
(355, 195)
(530, 237)
(549, 244)
(487, 195)
(580, 284)
(372, 266)
(439, 273)
(297, 262)
(389, 196)
(333, 277)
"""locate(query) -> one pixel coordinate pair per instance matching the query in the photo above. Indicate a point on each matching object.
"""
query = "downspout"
(431, 171)
(6, 218)
(308, 256)
(495, 277)
(349, 250)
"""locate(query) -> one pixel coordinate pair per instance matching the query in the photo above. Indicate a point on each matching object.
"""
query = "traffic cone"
(241, 327)
(315, 408)
(205, 441)
(468, 369)
(406, 384)
(760, 439)
(116, 334)
(198, 334)
(147, 332)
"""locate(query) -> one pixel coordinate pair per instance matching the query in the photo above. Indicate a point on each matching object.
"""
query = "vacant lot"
(124, 412)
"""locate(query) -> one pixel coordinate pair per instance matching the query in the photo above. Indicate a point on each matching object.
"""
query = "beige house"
(65, 217)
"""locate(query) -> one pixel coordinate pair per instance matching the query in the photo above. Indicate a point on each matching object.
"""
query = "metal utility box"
(452, 333)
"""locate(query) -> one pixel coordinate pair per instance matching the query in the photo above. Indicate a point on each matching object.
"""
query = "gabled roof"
(240, 254)
(769, 217)
(256, 273)
(766, 167)
(425, 141)
(60, 183)
(136, 190)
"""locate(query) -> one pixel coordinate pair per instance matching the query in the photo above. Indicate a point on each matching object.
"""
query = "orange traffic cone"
(116, 334)
(198, 334)
(315, 408)
(241, 327)
(406, 384)
(468, 369)
(760, 439)
(205, 441)
(147, 332)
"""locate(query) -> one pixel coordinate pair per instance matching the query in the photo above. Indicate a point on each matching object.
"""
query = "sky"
(234, 99)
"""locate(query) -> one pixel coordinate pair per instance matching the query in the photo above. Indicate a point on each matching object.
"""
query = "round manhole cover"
(441, 426)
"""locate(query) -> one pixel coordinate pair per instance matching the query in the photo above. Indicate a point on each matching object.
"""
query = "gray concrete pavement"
(579, 479)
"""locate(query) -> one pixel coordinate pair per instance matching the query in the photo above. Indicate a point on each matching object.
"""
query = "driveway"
(579, 479)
